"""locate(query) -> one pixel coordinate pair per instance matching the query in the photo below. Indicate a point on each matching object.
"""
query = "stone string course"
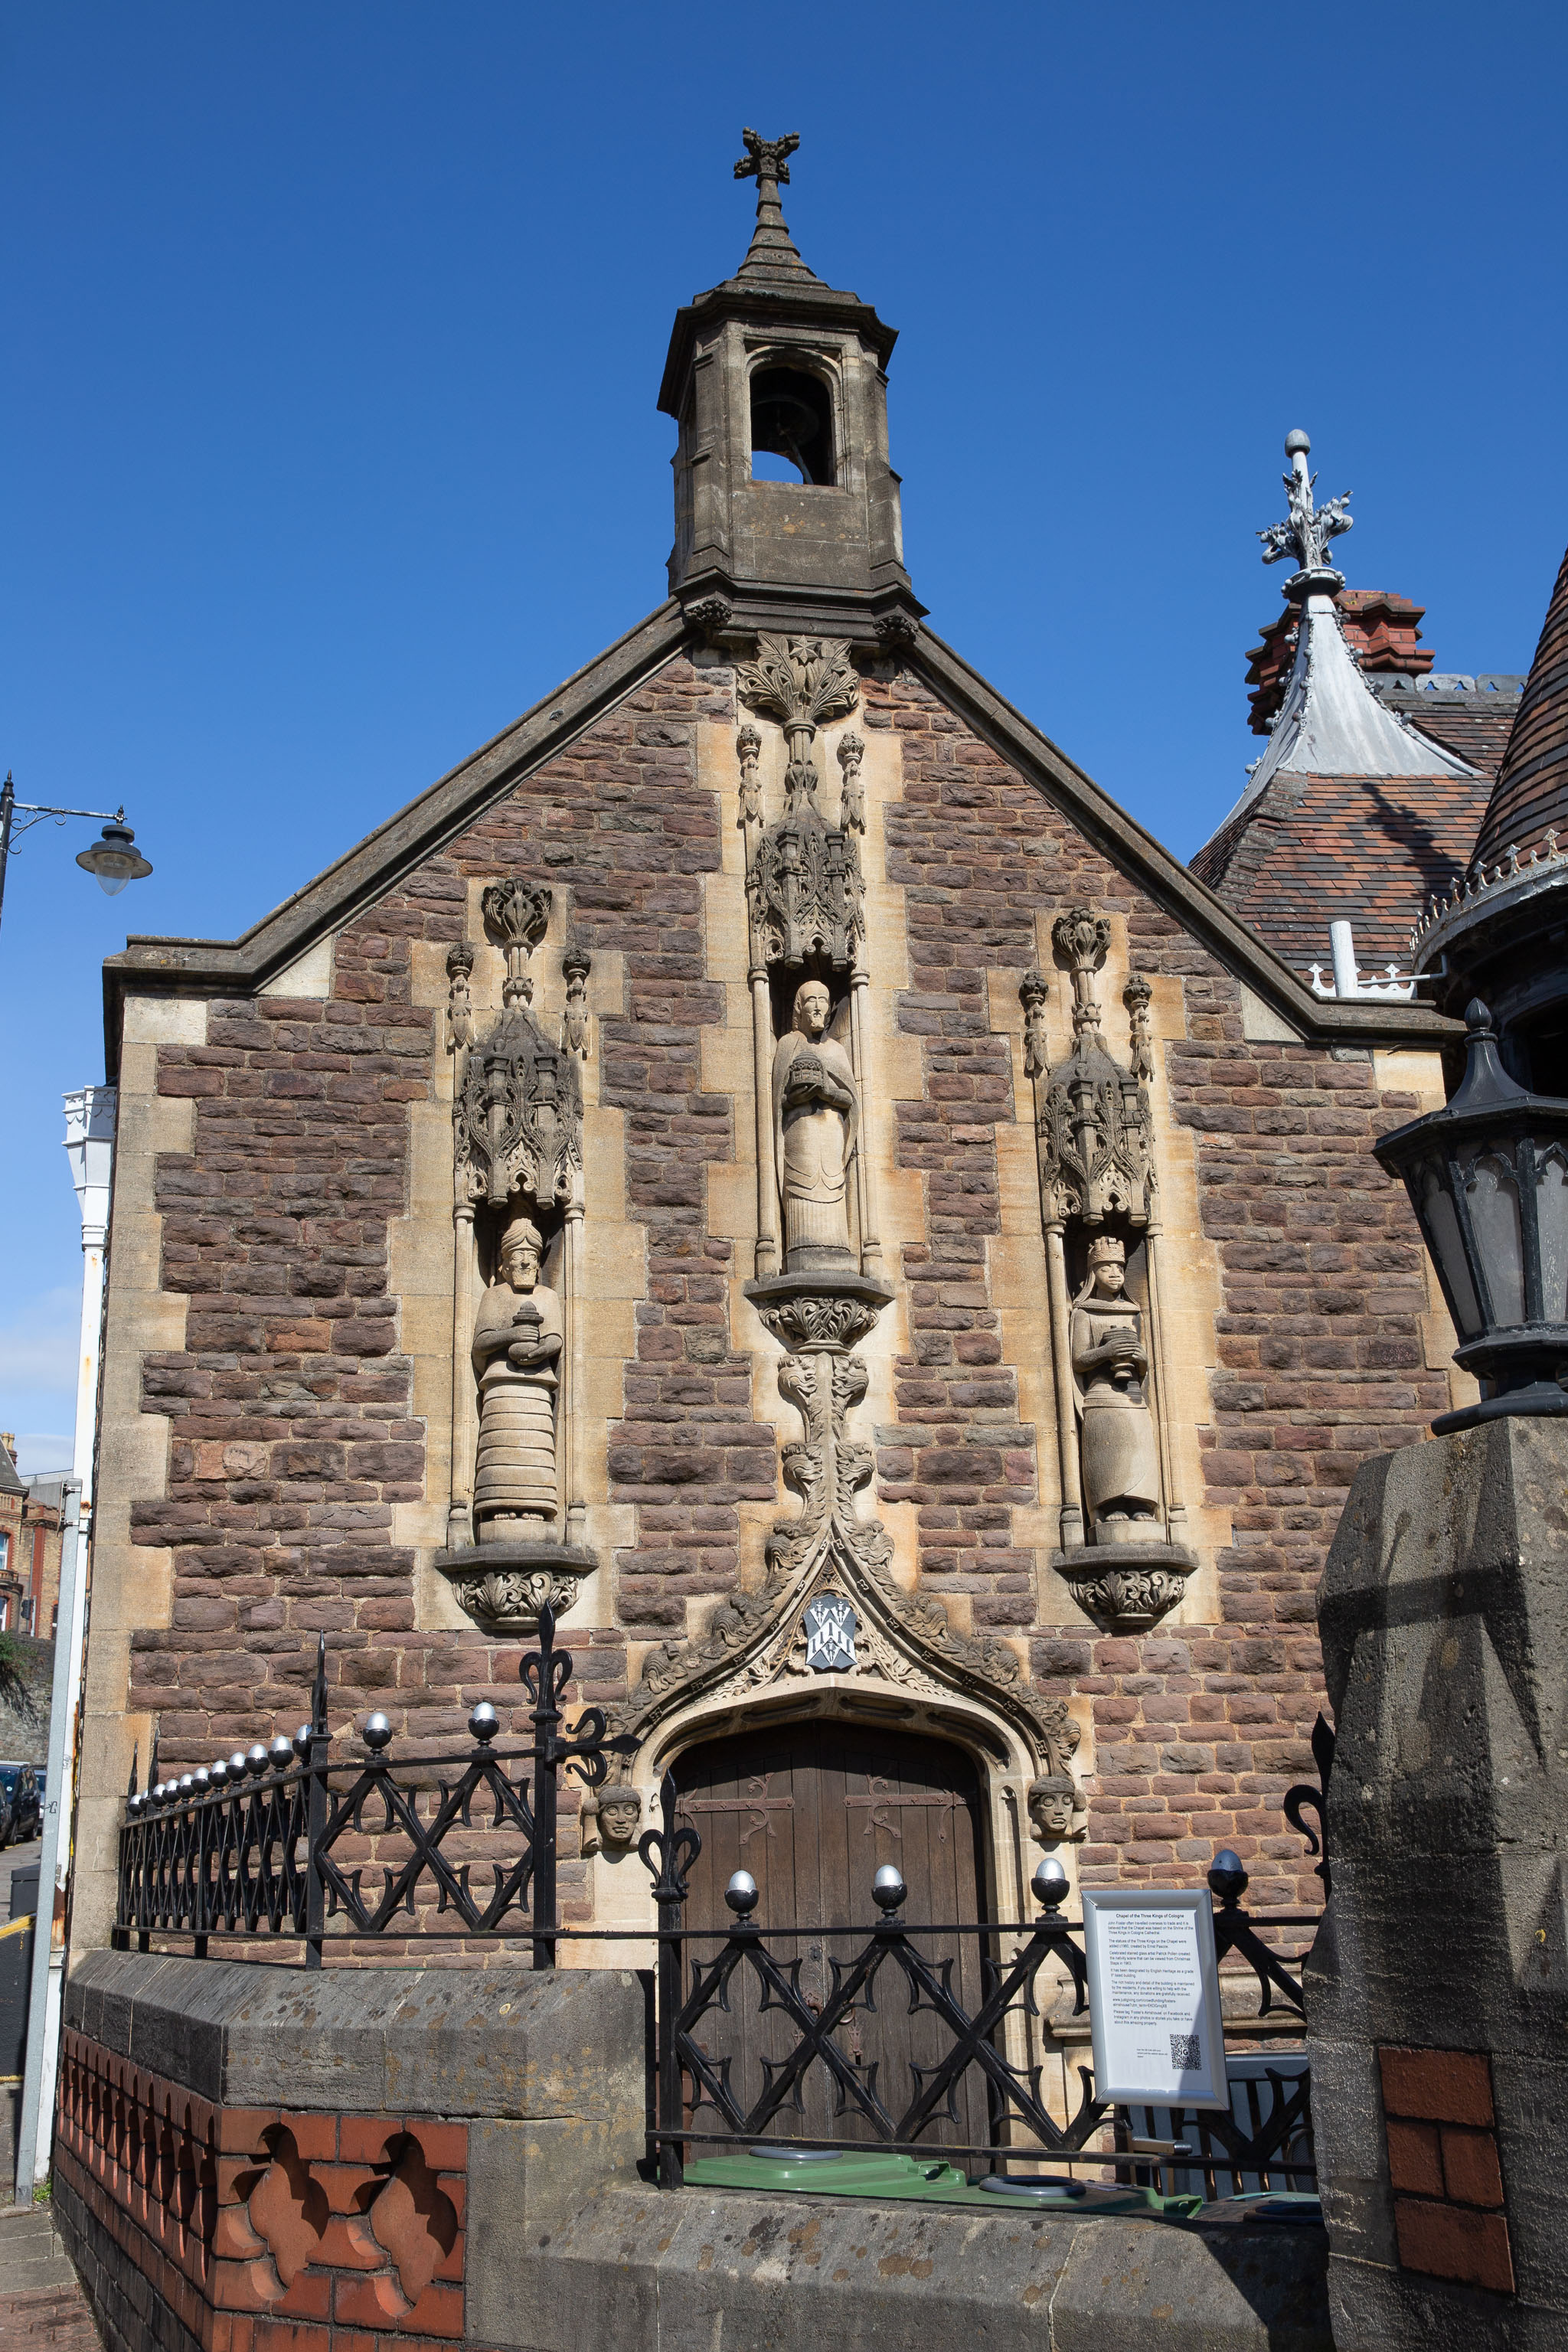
(291, 1431)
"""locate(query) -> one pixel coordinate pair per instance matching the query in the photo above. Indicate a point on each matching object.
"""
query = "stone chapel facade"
(768, 1157)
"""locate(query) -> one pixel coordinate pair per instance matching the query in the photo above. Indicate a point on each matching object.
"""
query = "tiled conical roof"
(1530, 794)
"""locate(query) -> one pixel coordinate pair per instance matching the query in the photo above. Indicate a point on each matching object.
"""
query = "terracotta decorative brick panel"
(258, 2229)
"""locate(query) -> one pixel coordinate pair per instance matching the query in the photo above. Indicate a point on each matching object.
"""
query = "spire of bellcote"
(774, 364)
(772, 249)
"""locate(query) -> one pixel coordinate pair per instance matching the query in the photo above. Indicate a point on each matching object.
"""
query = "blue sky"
(333, 337)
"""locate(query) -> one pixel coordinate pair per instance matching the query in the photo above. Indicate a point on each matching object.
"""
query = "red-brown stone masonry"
(1198, 1731)
(292, 1435)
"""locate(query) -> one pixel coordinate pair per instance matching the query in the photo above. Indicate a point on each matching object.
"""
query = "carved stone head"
(522, 1248)
(1054, 1807)
(1107, 1266)
(811, 1007)
(620, 1813)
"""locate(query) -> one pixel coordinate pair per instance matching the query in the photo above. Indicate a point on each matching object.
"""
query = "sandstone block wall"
(305, 1464)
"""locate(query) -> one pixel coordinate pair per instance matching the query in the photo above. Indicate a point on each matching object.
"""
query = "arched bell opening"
(792, 425)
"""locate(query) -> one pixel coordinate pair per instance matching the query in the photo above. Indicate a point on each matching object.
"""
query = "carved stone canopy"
(517, 1115)
(1096, 1127)
(804, 883)
(805, 891)
(1097, 1142)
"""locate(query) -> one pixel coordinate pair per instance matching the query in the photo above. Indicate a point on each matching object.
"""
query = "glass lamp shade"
(115, 859)
(1488, 1179)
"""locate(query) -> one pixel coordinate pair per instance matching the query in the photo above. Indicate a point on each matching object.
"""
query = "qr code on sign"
(1186, 2052)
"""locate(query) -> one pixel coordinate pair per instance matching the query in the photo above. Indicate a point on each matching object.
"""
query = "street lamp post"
(1488, 1179)
(114, 857)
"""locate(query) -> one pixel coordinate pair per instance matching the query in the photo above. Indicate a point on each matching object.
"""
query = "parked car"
(21, 1805)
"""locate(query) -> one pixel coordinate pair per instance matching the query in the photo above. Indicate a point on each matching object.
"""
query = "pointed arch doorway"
(813, 1809)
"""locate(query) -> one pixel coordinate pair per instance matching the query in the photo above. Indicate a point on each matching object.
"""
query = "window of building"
(791, 427)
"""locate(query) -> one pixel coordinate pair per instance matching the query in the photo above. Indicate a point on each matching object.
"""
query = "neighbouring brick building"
(1116, 1296)
(31, 1519)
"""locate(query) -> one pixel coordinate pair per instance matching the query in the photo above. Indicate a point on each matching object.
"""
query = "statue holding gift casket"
(517, 1347)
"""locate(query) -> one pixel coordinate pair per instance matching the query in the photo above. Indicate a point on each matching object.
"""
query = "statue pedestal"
(503, 1586)
(1126, 1586)
(830, 1307)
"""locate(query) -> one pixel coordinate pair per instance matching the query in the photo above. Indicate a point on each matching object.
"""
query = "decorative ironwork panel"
(282, 1841)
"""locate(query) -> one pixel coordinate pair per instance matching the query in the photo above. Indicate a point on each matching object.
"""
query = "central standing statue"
(517, 1345)
(817, 1115)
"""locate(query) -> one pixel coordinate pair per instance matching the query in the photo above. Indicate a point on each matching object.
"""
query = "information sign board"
(1153, 1997)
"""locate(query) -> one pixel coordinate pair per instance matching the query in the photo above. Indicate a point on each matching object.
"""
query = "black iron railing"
(281, 1841)
(714, 2091)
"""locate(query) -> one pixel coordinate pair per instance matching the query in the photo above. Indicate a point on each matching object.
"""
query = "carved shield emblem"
(830, 1626)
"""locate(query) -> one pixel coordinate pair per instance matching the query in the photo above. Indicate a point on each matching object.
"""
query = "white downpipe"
(89, 1148)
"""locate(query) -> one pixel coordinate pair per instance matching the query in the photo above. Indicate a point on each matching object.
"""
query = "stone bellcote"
(773, 362)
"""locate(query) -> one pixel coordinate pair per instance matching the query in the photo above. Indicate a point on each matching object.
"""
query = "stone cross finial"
(765, 161)
(1308, 531)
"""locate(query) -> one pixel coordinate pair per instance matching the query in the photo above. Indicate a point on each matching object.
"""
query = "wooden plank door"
(812, 1811)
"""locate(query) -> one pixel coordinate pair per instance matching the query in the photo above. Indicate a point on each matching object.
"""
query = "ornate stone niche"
(1121, 1518)
(516, 1517)
(806, 897)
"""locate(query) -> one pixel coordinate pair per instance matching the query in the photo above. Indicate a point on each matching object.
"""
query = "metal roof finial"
(1307, 532)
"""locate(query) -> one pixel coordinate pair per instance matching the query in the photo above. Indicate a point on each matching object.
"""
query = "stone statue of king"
(517, 1346)
(817, 1115)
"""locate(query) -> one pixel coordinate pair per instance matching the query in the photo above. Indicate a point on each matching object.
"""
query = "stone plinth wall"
(251, 2160)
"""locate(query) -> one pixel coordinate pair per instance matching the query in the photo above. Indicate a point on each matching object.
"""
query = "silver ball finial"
(484, 1723)
(1297, 441)
(741, 1894)
(377, 1732)
(1049, 1883)
(887, 1888)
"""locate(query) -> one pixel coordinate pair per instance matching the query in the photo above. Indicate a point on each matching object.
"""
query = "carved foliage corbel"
(516, 916)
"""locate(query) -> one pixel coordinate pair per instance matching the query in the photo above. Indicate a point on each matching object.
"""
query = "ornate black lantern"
(1487, 1178)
